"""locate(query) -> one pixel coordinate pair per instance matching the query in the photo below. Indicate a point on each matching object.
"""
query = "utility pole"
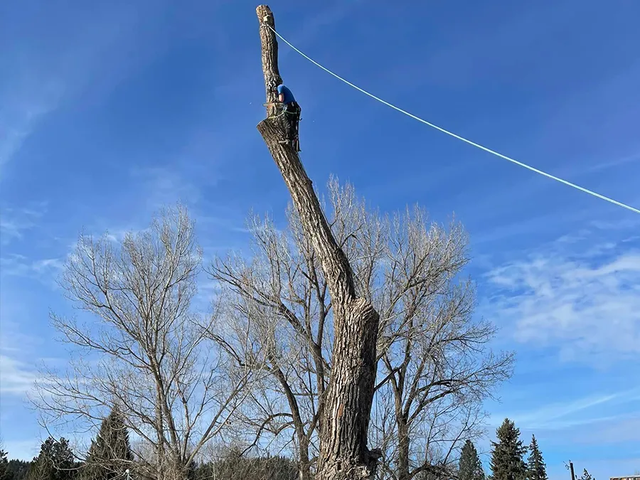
(346, 406)
(573, 475)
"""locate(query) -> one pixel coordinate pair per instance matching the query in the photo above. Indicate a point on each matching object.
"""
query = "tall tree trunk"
(303, 441)
(403, 450)
(160, 451)
(304, 463)
(347, 407)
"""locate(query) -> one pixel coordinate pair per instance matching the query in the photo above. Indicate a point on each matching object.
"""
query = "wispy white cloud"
(582, 299)
(165, 185)
(509, 230)
(86, 54)
(14, 340)
(11, 140)
(14, 222)
(22, 110)
(604, 165)
(44, 270)
(626, 429)
(588, 410)
(17, 378)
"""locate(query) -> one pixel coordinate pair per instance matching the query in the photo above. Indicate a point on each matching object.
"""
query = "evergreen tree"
(110, 453)
(5, 472)
(586, 475)
(536, 469)
(506, 458)
(470, 464)
(19, 469)
(55, 461)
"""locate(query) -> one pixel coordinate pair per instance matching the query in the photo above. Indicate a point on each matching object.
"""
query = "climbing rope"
(477, 145)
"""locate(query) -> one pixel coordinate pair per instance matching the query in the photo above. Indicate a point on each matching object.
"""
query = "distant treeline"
(232, 467)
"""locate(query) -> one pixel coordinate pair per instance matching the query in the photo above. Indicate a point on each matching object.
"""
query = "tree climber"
(291, 110)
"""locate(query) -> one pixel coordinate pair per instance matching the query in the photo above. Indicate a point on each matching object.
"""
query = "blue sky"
(109, 110)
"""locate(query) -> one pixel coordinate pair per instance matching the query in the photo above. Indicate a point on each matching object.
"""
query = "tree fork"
(346, 407)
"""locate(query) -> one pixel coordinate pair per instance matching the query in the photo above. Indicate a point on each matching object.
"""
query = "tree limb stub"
(269, 57)
(346, 412)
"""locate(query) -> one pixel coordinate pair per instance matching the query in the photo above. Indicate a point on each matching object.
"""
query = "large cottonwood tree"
(142, 348)
(344, 422)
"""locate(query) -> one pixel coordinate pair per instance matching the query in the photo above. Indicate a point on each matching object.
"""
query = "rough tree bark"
(345, 420)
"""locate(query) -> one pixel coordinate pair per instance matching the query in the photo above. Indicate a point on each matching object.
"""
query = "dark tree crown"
(470, 465)
(536, 468)
(110, 453)
(507, 455)
(54, 462)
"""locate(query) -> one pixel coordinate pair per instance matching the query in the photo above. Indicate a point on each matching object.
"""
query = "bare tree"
(281, 304)
(435, 367)
(144, 349)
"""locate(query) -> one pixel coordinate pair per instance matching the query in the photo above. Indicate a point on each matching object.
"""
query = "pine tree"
(110, 453)
(586, 475)
(55, 461)
(470, 464)
(506, 457)
(5, 473)
(536, 469)
(19, 469)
